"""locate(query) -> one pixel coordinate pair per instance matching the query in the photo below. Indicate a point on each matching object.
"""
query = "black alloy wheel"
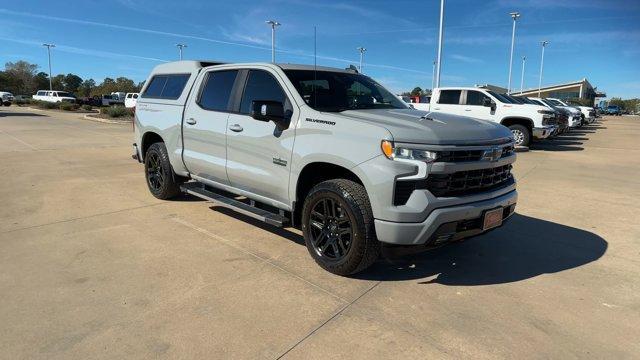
(330, 229)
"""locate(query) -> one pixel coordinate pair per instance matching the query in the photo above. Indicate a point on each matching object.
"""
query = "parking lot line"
(20, 141)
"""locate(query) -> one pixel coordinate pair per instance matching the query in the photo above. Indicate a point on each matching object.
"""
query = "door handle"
(436, 108)
(236, 128)
(191, 121)
(467, 109)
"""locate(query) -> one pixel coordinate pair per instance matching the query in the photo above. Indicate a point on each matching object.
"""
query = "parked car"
(54, 96)
(588, 112)
(118, 98)
(562, 115)
(344, 159)
(574, 116)
(613, 110)
(6, 98)
(130, 100)
(422, 102)
(575, 112)
(525, 122)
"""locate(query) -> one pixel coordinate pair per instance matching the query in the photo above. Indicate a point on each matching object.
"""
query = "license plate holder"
(492, 218)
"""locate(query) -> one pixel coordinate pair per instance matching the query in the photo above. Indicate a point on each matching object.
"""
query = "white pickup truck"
(526, 121)
(54, 96)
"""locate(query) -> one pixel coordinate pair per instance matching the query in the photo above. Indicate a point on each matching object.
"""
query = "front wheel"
(162, 182)
(521, 134)
(338, 229)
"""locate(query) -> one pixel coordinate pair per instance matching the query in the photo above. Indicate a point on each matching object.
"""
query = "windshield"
(337, 91)
(554, 102)
(500, 98)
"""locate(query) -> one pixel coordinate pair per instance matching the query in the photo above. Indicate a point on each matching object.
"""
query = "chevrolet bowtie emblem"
(492, 154)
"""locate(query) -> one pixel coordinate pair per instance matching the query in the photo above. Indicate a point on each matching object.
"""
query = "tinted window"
(135, 96)
(260, 86)
(217, 90)
(339, 91)
(155, 86)
(174, 86)
(449, 97)
(475, 98)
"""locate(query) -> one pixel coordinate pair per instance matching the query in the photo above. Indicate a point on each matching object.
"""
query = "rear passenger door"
(449, 102)
(258, 154)
(205, 126)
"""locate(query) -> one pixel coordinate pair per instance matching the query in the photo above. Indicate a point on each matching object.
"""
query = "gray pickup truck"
(328, 150)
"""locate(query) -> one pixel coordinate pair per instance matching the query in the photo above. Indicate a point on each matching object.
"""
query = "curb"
(106, 121)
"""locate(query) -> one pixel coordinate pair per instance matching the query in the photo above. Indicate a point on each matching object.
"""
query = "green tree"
(22, 74)
(417, 91)
(86, 87)
(57, 82)
(40, 82)
(72, 82)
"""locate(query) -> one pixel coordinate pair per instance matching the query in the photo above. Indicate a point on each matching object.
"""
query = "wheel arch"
(148, 139)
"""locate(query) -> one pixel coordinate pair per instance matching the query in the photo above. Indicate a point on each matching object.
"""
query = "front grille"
(456, 184)
(469, 155)
(468, 182)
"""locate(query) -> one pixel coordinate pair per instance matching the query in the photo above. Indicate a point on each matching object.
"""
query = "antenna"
(315, 64)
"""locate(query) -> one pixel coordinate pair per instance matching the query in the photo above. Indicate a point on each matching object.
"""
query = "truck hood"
(422, 127)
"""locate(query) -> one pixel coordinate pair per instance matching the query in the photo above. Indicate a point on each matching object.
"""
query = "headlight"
(392, 152)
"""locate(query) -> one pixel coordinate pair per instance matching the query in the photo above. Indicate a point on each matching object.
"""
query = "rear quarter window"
(166, 86)
(449, 97)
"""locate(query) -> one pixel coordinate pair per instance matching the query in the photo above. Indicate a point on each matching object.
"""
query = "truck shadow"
(523, 248)
(10, 114)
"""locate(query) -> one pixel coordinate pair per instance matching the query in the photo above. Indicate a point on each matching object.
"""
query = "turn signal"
(387, 148)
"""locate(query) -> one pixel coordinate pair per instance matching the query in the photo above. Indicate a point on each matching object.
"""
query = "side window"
(166, 86)
(217, 90)
(174, 86)
(155, 86)
(135, 96)
(475, 98)
(129, 96)
(449, 97)
(54, 94)
(260, 86)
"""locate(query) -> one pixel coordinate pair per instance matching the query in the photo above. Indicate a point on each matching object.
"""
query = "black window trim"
(203, 84)
(240, 93)
(144, 96)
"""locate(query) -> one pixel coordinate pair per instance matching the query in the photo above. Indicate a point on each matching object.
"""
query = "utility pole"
(361, 50)
(49, 46)
(544, 44)
(180, 47)
(433, 76)
(524, 58)
(439, 64)
(273, 24)
(514, 16)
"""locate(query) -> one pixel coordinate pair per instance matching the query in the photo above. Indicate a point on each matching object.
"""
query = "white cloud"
(467, 59)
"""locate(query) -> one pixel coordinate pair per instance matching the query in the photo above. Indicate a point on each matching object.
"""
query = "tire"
(338, 229)
(7, 104)
(521, 134)
(162, 182)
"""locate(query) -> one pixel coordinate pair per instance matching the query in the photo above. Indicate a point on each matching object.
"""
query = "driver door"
(258, 154)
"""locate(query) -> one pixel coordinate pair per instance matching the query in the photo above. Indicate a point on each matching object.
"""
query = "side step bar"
(198, 189)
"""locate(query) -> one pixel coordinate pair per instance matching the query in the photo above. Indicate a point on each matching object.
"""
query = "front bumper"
(444, 224)
(544, 131)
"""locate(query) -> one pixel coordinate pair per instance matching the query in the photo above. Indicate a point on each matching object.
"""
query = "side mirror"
(489, 103)
(269, 111)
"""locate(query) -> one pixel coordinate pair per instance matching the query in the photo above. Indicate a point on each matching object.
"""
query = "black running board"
(198, 189)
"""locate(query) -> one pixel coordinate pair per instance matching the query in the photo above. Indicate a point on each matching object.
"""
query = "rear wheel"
(521, 134)
(161, 180)
(337, 223)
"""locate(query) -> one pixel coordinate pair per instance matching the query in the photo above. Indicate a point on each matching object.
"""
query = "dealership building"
(580, 89)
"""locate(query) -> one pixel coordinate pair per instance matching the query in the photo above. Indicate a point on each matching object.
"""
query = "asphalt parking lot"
(92, 266)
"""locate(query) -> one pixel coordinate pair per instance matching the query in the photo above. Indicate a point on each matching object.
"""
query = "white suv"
(54, 96)
(526, 121)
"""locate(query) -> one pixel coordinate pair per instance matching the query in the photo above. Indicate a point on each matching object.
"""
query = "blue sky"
(596, 39)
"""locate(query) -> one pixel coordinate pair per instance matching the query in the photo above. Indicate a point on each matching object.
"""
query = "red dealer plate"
(492, 218)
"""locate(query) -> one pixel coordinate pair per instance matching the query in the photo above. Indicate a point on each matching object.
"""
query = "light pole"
(49, 46)
(273, 24)
(361, 50)
(440, 35)
(180, 47)
(433, 76)
(514, 16)
(544, 44)
(524, 58)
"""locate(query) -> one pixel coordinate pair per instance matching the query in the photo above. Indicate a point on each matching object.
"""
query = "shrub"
(68, 106)
(47, 105)
(87, 107)
(116, 111)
